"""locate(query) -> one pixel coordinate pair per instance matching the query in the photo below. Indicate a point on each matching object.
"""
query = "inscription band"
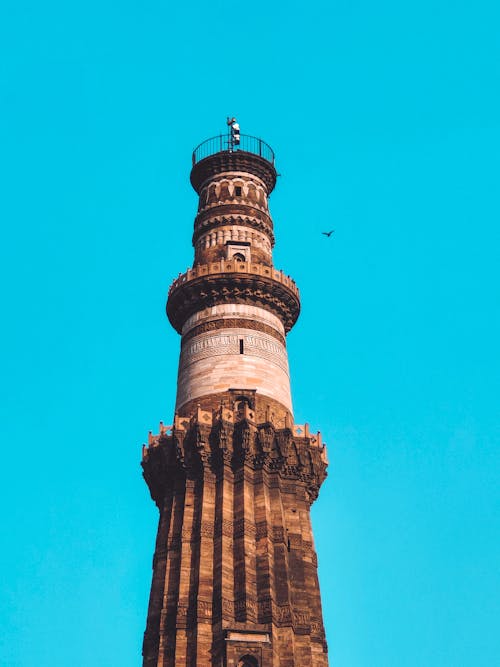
(232, 323)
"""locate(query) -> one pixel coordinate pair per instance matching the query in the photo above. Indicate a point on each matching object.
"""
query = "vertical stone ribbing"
(309, 578)
(152, 633)
(166, 655)
(206, 567)
(239, 555)
(318, 644)
(283, 632)
(234, 572)
(239, 573)
(222, 585)
(299, 601)
(263, 548)
(270, 482)
(184, 636)
(249, 547)
(227, 553)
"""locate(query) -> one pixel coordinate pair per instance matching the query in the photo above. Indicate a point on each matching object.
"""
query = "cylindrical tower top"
(233, 308)
(219, 154)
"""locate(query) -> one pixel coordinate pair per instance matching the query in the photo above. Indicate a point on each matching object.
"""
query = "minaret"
(234, 571)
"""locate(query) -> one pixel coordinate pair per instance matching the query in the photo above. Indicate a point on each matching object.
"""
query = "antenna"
(234, 133)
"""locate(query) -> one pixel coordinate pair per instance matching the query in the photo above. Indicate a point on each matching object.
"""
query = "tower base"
(235, 572)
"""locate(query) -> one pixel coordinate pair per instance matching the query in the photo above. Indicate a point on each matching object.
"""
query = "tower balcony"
(218, 154)
(233, 281)
(223, 143)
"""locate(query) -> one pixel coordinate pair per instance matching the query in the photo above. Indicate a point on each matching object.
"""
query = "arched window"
(248, 661)
(239, 256)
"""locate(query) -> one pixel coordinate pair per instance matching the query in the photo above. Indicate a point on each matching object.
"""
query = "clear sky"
(385, 118)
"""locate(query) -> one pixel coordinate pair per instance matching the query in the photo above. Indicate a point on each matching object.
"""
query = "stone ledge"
(235, 282)
(243, 161)
(235, 266)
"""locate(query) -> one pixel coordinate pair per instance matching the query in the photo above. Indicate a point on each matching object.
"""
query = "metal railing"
(223, 143)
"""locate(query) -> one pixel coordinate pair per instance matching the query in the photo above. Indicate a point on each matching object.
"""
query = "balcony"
(235, 266)
(232, 281)
(223, 144)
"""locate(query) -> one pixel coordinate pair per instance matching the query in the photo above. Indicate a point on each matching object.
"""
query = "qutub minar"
(235, 580)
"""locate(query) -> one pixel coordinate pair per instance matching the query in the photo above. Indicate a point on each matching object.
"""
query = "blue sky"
(385, 118)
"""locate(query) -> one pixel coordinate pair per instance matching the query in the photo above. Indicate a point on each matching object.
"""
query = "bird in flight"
(328, 233)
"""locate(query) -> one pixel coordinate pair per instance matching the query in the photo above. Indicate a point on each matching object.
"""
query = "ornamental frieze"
(232, 323)
(252, 285)
(244, 450)
(234, 570)
(260, 530)
(206, 170)
(260, 224)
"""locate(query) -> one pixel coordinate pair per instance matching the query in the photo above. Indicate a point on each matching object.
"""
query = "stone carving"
(278, 534)
(230, 162)
(242, 216)
(232, 323)
(234, 575)
(242, 527)
(282, 614)
(221, 235)
(301, 617)
(189, 296)
(294, 541)
(204, 610)
(197, 445)
(266, 435)
(260, 530)
(206, 346)
(227, 608)
(182, 611)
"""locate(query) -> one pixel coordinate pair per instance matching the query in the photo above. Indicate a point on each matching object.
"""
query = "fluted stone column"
(234, 572)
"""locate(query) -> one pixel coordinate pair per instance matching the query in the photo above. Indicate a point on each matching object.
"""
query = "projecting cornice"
(233, 281)
(224, 437)
(227, 161)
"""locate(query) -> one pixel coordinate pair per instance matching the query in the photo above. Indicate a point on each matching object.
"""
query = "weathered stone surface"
(235, 579)
(233, 282)
(235, 548)
(215, 360)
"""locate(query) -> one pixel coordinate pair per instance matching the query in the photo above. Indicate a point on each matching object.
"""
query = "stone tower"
(234, 571)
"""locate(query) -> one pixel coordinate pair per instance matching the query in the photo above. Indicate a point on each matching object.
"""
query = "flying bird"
(328, 233)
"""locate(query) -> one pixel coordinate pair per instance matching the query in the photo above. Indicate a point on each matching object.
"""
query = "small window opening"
(247, 661)
(241, 345)
(239, 256)
(237, 191)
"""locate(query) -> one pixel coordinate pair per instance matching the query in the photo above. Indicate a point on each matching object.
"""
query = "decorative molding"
(196, 291)
(232, 323)
(242, 217)
(234, 570)
(298, 471)
(207, 346)
(238, 161)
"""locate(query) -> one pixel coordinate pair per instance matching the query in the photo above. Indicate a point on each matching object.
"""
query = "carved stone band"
(238, 161)
(232, 323)
(224, 219)
(193, 292)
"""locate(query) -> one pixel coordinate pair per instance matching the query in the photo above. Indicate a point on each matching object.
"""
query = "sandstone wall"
(233, 346)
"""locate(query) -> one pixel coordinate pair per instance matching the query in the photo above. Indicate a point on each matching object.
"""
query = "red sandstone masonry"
(235, 579)
(243, 533)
